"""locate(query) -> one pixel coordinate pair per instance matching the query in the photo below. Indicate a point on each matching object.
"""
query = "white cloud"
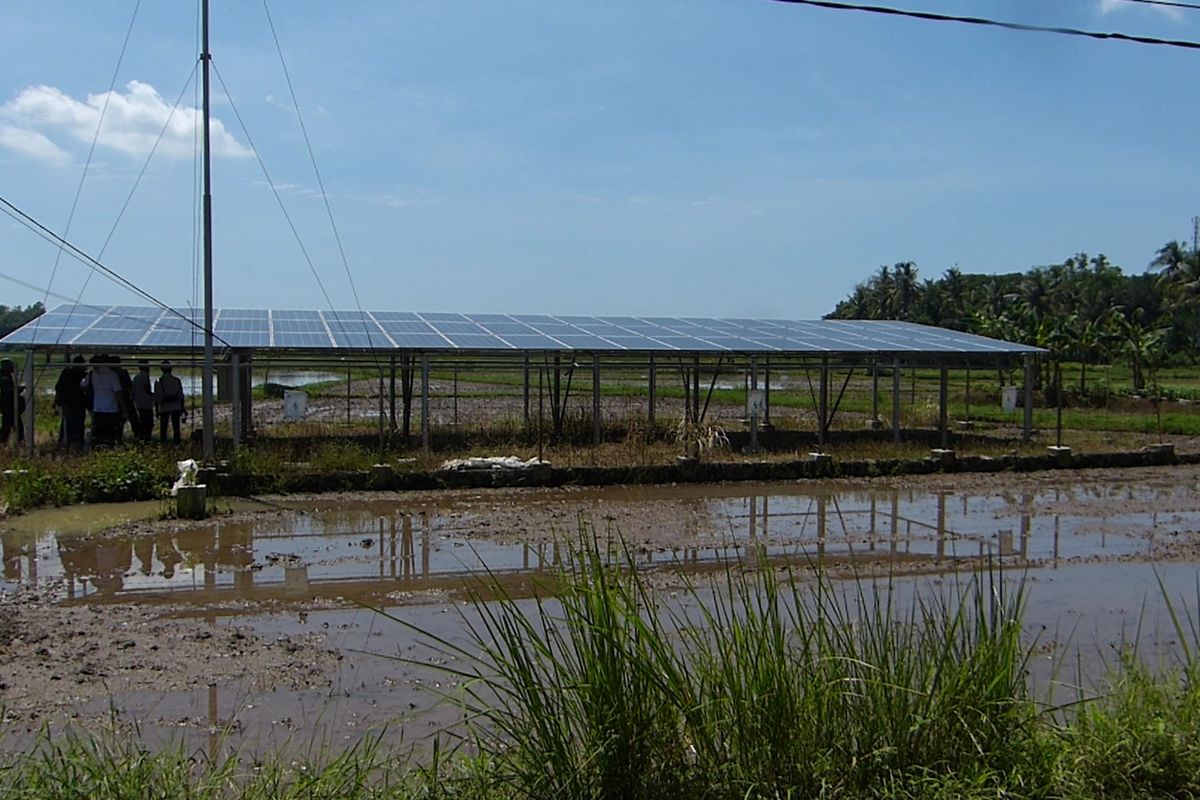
(132, 122)
(1109, 6)
(32, 144)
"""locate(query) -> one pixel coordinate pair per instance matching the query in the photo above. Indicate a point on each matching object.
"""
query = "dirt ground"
(56, 657)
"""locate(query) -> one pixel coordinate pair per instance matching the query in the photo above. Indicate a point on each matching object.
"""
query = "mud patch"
(57, 659)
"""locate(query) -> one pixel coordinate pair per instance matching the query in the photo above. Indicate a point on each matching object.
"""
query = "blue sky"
(678, 157)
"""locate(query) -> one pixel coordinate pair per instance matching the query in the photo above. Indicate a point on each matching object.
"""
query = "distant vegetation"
(13, 317)
(1085, 309)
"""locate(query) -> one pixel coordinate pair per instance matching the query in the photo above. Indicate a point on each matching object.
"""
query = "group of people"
(114, 397)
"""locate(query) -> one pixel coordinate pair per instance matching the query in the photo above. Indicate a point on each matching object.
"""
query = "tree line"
(13, 317)
(1085, 309)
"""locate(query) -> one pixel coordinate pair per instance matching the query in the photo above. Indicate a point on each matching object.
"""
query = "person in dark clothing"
(142, 391)
(168, 398)
(11, 402)
(71, 400)
(125, 399)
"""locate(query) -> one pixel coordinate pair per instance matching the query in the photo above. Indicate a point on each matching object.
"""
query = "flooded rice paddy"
(297, 580)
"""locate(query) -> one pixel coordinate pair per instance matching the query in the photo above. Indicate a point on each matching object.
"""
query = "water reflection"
(418, 543)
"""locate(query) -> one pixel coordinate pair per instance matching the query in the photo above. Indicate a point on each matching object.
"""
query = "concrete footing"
(943, 456)
(1062, 454)
(381, 475)
(191, 502)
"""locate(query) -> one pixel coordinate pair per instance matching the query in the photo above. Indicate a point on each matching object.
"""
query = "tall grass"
(761, 684)
(754, 689)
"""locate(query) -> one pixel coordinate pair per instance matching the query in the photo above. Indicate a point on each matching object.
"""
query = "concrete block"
(1062, 454)
(942, 455)
(191, 502)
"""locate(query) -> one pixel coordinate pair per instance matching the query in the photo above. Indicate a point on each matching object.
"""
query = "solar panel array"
(128, 327)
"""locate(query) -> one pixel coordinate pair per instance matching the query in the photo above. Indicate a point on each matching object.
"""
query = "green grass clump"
(102, 476)
(757, 685)
(751, 690)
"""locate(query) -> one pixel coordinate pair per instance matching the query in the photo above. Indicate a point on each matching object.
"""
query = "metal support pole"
(875, 391)
(206, 387)
(752, 386)
(766, 420)
(896, 400)
(596, 433)
(823, 403)
(425, 402)
(696, 389)
(235, 389)
(943, 402)
(541, 409)
(653, 389)
(1027, 423)
(30, 396)
(392, 392)
(247, 400)
(525, 384)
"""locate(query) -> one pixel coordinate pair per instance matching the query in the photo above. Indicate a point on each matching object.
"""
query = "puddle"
(1092, 548)
(388, 551)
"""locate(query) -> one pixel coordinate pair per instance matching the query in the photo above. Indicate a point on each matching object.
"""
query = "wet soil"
(254, 621)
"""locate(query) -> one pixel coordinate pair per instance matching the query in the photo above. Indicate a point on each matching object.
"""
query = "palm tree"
(1170, 259)
(905, 289)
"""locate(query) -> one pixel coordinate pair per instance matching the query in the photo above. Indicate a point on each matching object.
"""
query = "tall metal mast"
(207, 372)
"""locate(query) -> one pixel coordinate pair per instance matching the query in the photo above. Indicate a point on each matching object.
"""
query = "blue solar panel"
(393, 315)
(247, 338)
(420, 341)
(302, 340)
(406, 326)
(360, 339)
(104, 337)
(534, 342)
(129, 326)
(458, 328)
(298, 326)
(167, 338)
(477, 342)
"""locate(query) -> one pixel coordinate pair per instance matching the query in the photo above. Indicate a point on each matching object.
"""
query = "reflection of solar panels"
(260, 329)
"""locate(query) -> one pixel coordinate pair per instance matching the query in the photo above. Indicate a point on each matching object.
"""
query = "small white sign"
(756, 401)
(1008, 398)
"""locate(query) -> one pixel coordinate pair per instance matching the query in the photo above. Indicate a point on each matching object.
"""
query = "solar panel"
(127, 327)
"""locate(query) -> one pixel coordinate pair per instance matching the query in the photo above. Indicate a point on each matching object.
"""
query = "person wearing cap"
(142, 390)
(71, 400)
(12, 403)
(168, 401)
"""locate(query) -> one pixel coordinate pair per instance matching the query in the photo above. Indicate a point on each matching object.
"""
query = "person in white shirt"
(104, 386)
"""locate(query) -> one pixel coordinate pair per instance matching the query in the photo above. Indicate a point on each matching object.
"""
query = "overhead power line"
(931, 16)
(1164, 4)
(91, 262)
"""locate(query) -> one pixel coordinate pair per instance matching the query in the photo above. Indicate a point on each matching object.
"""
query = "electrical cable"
(320, 183)
(274, 189)
(15, 213)
(92, 148)
(931, 16)
(1164, 4)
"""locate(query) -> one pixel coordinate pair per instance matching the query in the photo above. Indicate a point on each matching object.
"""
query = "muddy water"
(1092, 548)
(395, 550)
